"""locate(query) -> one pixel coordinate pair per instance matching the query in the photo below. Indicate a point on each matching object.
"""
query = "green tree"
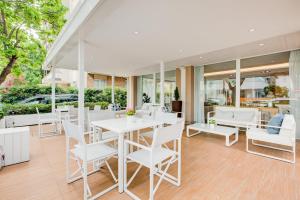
(27, 28)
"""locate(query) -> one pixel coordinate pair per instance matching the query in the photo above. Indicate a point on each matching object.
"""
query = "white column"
(183, 88)
(128, 95)
(154, 89)
(81, 81)
(162, 81)
(53, 90)
(112, 89)
(238, 83)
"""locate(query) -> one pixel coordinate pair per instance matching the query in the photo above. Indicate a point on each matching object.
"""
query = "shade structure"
(131, 37)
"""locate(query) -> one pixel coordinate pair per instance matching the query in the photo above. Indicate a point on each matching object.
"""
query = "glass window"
(100, 84)
(147, 88)
(220, 85)
(265, 83)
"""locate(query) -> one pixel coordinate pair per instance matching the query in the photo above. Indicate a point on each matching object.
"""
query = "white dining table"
(123, 126)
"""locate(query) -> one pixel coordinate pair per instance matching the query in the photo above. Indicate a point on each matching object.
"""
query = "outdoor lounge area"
(152, 100)
(210, 170)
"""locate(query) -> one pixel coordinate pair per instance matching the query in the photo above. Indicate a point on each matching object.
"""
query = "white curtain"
(294, 66)
(199, 94)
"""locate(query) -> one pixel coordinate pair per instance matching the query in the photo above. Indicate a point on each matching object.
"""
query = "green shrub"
(11, 97)
(19, 93)
(21, 109)
(1, 114)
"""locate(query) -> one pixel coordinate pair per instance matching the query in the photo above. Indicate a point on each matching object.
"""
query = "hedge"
(21, 109)
(17, 94)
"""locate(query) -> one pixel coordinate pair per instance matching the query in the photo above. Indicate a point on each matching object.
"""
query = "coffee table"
(218, 130)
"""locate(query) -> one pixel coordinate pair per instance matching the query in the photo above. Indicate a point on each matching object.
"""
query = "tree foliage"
(27, 28)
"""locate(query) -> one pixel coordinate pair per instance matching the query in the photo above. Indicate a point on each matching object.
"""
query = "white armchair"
(286, 137)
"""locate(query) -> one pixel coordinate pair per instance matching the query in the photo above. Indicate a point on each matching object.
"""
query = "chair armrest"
(267, 126)
(137, 145)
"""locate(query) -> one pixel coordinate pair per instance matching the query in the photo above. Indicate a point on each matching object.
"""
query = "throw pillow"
(275, 121)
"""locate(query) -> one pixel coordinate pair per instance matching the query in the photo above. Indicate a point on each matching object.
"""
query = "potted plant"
(176, 104)
(146, 98)
(130, 115)
(2, 121)
(212, 123)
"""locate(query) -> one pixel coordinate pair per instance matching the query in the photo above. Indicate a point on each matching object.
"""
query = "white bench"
(219, 130)
(232, 116)
(286, 137)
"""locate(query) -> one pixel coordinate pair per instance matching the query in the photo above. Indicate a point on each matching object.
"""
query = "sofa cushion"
(244, 116)
(223, 115)
(275, 121)
(288, 126)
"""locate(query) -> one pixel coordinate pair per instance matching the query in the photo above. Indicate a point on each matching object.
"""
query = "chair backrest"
(166, 118)
(146, 106)
(99, 115)
(73, 131)
(37, 110)
(166, 134)
(288, 126)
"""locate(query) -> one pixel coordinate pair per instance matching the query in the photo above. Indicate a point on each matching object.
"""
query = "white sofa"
(286, 137)
(232, 116)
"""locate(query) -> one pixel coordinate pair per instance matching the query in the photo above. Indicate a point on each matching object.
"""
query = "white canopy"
(131, 37)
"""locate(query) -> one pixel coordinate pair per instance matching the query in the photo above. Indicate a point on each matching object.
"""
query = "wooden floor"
(209, 171)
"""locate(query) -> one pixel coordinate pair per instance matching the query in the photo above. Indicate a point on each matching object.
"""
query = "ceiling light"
(200, 57)
(135, 32)
(180, 50)
(261, 44)
(251, 30)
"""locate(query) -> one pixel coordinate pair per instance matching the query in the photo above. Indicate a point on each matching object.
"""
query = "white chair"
(166, 118)
(96, 116)
(97, 108)
(48, 118)
(145, 110)
(286, 137)
(84, 154)
(151, 157)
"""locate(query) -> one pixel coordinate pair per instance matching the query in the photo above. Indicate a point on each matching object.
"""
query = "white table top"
(221, 130)
(122, 125)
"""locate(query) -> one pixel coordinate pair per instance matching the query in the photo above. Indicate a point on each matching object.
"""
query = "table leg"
(120, 162)
(190, 135)
(227, 141)
(236, 139)
(131, 138)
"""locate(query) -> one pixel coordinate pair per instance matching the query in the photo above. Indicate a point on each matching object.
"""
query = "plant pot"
(131, 119)
(177, 107)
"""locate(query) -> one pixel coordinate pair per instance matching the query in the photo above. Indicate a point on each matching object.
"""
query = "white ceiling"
(179, 32)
